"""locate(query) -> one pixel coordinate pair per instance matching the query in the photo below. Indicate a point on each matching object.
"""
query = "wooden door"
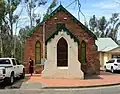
(62, 53)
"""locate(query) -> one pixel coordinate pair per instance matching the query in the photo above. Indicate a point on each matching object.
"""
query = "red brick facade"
(92, 65)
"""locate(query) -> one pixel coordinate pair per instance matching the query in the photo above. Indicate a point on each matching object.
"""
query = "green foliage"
(1, 11)
(35, 3)
(114, 26)
(53, 4)
(102, 24)
(31, 5)
(23, 33)
(104, 28)
(93, 23)
(37, 64)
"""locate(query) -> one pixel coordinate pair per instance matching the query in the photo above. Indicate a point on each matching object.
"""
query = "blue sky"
(89, 7)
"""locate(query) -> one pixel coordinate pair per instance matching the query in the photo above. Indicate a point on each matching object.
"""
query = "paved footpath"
(96, 90)
(104, 79)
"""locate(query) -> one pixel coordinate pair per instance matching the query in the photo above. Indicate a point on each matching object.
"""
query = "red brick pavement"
(102, 79)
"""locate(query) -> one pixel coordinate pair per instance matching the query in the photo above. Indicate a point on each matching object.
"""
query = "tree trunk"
(1, 44)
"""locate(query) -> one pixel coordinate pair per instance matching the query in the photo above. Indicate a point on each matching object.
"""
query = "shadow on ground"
(109, 73)
(88, 77)
(17, 84)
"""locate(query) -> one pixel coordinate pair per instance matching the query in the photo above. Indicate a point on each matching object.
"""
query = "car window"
(17, 62)
(4, 61)
(118, 61)
(14, 62)
(111, 61)
(108, 61)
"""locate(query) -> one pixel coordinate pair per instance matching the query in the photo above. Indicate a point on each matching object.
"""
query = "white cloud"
(106, 5)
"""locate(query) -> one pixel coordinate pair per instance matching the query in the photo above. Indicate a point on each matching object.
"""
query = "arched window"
(83, 52)
(38, 53)
(62, 53)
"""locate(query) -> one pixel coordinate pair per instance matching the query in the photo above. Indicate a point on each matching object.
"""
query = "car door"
(15, 67)
(18, 67)
(110, 64)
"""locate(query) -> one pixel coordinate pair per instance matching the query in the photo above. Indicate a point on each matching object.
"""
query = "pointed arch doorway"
(62, 57)
(62, 53)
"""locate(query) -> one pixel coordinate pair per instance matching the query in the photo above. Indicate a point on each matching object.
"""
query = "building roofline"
(61, 8)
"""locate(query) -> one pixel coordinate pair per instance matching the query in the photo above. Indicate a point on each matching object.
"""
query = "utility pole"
(44, 41)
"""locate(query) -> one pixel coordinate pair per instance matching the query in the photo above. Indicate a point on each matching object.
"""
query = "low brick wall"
(38, 69)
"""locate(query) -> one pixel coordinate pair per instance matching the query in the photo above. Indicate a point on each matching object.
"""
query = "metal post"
(44, 41)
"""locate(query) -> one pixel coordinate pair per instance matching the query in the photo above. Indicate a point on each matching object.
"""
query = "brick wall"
(92, 65)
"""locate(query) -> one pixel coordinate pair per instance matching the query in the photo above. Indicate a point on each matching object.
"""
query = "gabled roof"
(65, 30)
(61, 8)
(105, 44)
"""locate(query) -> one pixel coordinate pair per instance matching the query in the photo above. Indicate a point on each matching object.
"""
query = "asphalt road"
(100, 90)
(17, 84)
(19, 87)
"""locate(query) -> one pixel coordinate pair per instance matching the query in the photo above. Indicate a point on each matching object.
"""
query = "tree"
(31, 5)
(8, 20)
(16, 24)
(1, 11)
(49, 10)
(19, 48)
(1, 20)
(114, 24)
(10, 7)
(102, 25)
(98, 26)
(52, 5)
(93, 23)
(23, 33)
(104, 28)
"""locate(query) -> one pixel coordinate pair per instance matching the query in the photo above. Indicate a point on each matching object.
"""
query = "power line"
(79, 9)
(70, 4)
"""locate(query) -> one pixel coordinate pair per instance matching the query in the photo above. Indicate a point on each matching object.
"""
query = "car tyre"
(112, 70)
(23, 74)
(9, 80)
(105, 69)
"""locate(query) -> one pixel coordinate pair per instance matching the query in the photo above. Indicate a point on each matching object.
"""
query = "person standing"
(31, 70)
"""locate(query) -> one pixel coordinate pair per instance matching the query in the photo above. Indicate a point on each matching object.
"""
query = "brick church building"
(68, 44)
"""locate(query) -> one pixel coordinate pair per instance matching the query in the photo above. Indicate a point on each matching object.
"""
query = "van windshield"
(4, 61)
